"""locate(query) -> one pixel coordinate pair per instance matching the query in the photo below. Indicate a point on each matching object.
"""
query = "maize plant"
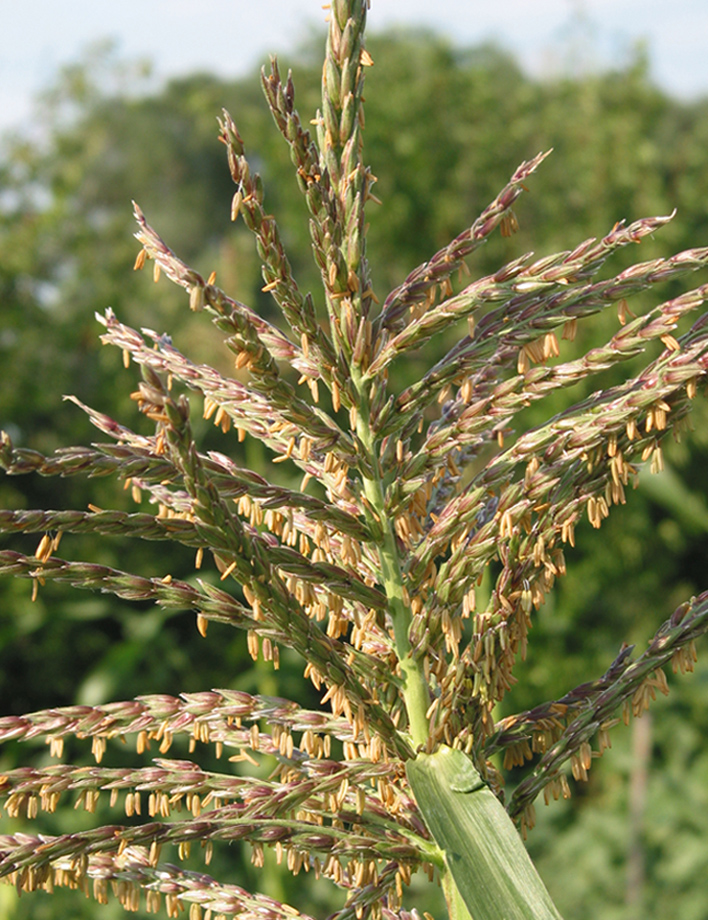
(370, 570)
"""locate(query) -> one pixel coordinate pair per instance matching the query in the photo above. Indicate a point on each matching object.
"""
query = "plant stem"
(415, 688)
(456, 907)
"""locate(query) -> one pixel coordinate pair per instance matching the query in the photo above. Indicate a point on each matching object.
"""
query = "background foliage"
(444, 131)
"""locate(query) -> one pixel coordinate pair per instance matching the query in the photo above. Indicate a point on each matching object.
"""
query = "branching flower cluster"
(370, 570)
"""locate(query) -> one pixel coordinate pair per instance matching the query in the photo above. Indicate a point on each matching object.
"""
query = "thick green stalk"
(415, 687)
(488, 873)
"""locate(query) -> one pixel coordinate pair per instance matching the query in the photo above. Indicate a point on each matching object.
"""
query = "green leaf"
(485, 857)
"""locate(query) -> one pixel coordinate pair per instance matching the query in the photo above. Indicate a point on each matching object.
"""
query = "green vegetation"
(444, 132)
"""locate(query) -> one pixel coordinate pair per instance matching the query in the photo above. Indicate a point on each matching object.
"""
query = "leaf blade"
(483, 851)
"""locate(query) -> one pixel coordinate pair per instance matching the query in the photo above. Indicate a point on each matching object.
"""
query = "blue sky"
(231, 36)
